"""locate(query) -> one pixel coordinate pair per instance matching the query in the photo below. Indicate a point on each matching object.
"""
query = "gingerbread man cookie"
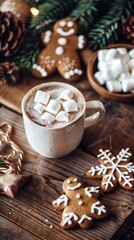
(60, 52)
(80, 205)
(114, 170)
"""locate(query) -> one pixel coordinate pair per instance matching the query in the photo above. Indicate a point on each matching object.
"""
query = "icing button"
(34, 66)
(76, 70)
(79, 72)
(71, 72)
(62, 41)
(44, 74)
(67, 75)
(38, 68)
(59, 50)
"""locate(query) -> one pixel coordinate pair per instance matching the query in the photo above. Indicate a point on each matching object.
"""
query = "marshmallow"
(53, 106)
(122, 50)
(131, 53)
(66, 94)
(48, 118)
(62, 116)
(133, 73)
(118, 66)
(113, 86)
(102, 65)
(125, 58)
(123, 76)
(70, 106)
(99, 78)
(128, 85)
(116, 69)
(109, 74)
(131, 64)
(41, 97)
(102, 54)
(39, 107)
(111, 54)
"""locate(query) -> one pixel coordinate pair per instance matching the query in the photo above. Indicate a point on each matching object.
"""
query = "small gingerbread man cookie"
(114, 170)
(80, 205)
(60, 52)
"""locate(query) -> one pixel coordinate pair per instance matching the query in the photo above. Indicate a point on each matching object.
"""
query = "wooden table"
(30, 215)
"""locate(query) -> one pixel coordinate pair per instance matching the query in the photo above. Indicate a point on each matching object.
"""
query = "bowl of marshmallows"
(111, 72)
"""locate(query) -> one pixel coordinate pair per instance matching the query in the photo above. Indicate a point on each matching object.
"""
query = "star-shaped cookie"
(11, 183)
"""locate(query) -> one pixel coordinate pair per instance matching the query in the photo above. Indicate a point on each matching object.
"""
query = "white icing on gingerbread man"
(60, 52)
(80, 205)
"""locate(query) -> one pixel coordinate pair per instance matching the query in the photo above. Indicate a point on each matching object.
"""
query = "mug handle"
(94, 118)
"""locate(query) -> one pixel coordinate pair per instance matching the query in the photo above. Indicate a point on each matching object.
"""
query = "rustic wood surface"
(30, 215)
(32, 211)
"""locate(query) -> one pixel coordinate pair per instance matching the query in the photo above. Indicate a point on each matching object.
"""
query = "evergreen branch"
(29, 51)
(84, 14)
(52, 10)
(49, 12)
(107, 30)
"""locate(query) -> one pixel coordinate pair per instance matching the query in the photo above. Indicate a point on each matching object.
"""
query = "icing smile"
(74, 187)
(63, 33)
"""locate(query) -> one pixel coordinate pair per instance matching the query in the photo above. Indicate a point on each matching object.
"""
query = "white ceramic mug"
(58, 142)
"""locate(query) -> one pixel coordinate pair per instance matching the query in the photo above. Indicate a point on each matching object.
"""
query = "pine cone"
(11, 34)
(19, 7)
(9, 73)
(128, 28)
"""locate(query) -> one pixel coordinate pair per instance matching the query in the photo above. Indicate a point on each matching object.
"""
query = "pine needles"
(107, 29)
(49, 12)
(84, 14)
(99, 20)
(29, 51)
(52, 10)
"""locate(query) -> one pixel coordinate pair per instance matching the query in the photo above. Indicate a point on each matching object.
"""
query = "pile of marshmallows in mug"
(52, 106)
(116, 69)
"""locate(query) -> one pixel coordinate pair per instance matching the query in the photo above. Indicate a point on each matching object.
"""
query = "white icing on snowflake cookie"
(81, 205)
(113, 170)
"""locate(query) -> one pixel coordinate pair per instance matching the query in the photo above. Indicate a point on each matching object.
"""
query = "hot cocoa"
(54, 106)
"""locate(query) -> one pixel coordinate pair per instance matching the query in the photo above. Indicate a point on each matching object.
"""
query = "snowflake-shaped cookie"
(81, 205)
(114, 170)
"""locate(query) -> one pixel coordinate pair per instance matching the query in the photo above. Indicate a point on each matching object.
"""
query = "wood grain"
(7, 227)
(32, 211)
